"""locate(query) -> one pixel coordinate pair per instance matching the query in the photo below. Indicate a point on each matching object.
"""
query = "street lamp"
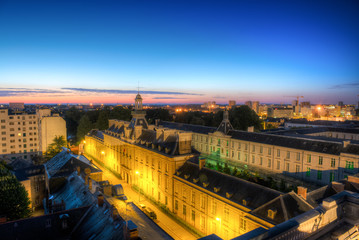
(220, 225)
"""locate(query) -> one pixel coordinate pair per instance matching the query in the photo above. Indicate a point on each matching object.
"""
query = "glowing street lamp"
(103, 153)
(220, 224)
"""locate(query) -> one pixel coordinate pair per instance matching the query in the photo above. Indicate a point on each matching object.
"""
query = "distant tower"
(255, 106)
(231, 103)
(340, 104)
(138, 115)
(138, 102)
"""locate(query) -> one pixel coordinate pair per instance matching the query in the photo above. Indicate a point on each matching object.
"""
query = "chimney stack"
(202, 163)
(302, 191)
(251, 129)
(346, 143)
(100, 200)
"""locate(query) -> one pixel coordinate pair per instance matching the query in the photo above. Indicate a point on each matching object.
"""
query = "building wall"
(18, 135)
(51, 127)
(211, 213)
(320, 168)
(147, 168)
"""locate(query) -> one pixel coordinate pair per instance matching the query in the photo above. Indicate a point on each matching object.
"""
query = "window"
(297, 169)
(269, 151)
(278, 153)
(349, 165)
(193, 215)
(319, 175)
(307, 174)
(331, 177)
(203, 201)
(269, 163)
(261, 161)
(320, 160)
(176, 205)
(245, 157)
(246, 146)
(332, 162)
(298, 156)
(288, 154)
(159, 164)
(278, 165)
(159, 196)
(253, 159)
(309, 158)
(193, 197)
(226, 214)
(244, 224)
(214, 208)
(227, 143)
(166, 200)
(184, 210)
(239, 155)
(261, 149)
(253, 148)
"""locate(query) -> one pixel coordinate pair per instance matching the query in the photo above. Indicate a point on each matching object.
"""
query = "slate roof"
(287, 206)
(290, 142)
(188, 127)
(25, 173)
(96, 133)
(35, 227)
(74, 193)
(238, 189)
(168, 146)
(316, 197)
(64, 163)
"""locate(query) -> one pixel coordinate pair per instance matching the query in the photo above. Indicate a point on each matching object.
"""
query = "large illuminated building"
(163, 162)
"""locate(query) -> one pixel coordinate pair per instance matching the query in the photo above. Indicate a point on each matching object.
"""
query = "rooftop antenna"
(138, 87)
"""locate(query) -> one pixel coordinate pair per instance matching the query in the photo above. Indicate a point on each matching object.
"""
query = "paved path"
(171, 227)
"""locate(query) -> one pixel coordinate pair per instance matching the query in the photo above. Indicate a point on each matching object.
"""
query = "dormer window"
(216, 189)
(272, 212)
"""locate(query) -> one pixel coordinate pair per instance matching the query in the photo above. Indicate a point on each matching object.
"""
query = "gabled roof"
(64, 163)
(285, 206)
(289, 142)
(232, 188)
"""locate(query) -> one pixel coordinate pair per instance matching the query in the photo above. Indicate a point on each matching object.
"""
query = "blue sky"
(179, 51)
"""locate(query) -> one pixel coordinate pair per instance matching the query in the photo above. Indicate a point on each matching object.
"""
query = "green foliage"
(72, 118)
(14, 199)
(243, 117)
(102, 120)
(56, 146)
(235, 171)
(226, 169)
(120, 113)
(162, 114)
(219, 167)
(84, 127)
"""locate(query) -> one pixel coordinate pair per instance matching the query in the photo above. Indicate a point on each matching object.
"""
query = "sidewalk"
(166, 223)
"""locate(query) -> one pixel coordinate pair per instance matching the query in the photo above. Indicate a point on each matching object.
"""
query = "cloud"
(345, 85)
(167, 98)
(118, 91)
(11, 92)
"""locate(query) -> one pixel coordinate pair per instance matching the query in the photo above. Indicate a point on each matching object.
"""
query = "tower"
(225, 125)
(138, 115)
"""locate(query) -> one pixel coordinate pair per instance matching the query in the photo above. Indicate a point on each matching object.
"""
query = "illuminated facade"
(144, 155)
(313, 160)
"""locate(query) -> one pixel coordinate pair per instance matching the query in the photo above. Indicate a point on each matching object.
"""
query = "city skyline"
(179, 52)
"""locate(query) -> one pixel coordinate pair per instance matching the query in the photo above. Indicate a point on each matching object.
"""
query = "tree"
(14, 199)
(56, 146)
(102, 121)
(159, 113)
(84, 127)
(243, 117)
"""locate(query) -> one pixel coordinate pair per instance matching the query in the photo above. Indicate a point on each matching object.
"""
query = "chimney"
(78, 169)
(302, 191)
(90, 183)
(202, 163)
(339, 187)
(100, 200)
(251, 129)
(346, 143)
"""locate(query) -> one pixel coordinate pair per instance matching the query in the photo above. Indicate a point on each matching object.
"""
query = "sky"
(179, 51)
